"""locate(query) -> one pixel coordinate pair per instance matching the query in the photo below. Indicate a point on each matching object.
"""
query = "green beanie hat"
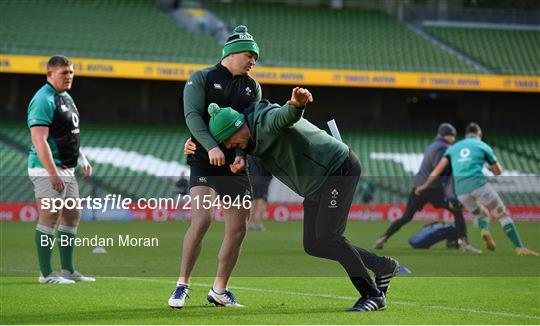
(240, 41)
(224, 122)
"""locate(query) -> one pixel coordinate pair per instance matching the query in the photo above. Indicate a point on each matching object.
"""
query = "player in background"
(226, 83)
(53, 120)
(441, 193)
(467, 158)
(260, 181)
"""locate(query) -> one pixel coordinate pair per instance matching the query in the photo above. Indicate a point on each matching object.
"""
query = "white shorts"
(43, 187)
(484, 196)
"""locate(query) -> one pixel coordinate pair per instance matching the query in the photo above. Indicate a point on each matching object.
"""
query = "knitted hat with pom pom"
(240, 41)
(224, 122)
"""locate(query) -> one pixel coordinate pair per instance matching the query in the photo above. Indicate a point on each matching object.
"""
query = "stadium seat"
(134, 30)
(161, 145)
(504, 51)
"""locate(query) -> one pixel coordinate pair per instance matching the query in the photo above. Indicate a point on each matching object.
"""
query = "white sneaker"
(469, 248)
(53, 278)
(226, 299)
(76, 276)
(178, 296)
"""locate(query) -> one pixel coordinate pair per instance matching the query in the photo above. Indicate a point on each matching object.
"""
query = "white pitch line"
(330, 296)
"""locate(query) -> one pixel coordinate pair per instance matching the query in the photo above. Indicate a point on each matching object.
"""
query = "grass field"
(275, 279)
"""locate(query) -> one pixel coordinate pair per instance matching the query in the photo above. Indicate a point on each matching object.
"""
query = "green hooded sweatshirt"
(294, 150)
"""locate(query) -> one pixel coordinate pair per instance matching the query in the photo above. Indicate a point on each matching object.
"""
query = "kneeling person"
(317, 167)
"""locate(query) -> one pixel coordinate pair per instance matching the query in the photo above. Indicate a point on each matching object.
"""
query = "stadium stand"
(504, 51)
(344, 39)
(137, 30)
(120, 29)
(125, 162)
(15, 185)
(140, 161)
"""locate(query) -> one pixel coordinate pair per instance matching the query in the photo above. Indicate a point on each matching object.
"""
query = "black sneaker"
(369, 304)
(383, 281)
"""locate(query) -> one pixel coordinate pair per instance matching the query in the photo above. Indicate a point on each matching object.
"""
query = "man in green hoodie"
(318, 167)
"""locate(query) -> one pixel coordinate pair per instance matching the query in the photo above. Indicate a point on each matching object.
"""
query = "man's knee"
(236, 224)
(48, 218)
(200, 220)
(323, 243)
(237, 231)
(70, 217)
(312, 248)
(478, 211)
(500, 212)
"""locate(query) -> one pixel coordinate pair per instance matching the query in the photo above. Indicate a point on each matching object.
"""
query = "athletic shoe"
(257, 228)
(452, 243)
(525, 252)
(369, 304)
(178, 296)
(53, 278)
(225, 299)
(76, 276)
(488, 240)
(383, 281)
(379, 244)
(470, 248)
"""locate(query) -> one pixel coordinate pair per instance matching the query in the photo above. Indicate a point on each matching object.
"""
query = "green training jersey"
(58, 112)
(467, 158)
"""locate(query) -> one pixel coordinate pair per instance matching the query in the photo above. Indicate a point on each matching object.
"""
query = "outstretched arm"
(291, 112)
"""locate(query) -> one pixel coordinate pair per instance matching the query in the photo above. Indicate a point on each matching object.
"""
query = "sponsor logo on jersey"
(333, 199)
(217, 86)
(464, 155)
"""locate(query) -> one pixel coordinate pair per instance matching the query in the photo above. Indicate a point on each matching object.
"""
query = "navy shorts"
(221, 179)
(260, 186)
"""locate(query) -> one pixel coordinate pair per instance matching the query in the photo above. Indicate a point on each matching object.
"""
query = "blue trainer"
(225, 299)
(178, 296)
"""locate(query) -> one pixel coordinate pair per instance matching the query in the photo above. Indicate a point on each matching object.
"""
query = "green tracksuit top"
(294, 150)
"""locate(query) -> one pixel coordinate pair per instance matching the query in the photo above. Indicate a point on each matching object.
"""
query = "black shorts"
(221, 179)
(260, 186)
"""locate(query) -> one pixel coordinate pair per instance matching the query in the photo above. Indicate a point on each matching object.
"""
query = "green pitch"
(275, 279)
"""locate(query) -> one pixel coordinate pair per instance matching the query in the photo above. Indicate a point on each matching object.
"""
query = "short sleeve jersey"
(467, 158)
(58, 112)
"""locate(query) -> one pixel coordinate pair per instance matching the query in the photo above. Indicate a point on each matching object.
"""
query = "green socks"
(65, 236)
(44, 243)
(511, 231)
(508, 226)
(483, 222)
